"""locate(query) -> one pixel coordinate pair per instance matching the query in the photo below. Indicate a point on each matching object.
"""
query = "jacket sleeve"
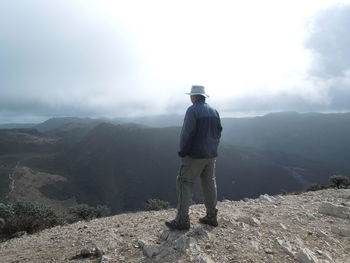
(219, 125)
(187, 133)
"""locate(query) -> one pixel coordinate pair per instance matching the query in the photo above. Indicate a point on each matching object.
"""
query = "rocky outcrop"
(335, 210)
(302, 228)
(342, 231)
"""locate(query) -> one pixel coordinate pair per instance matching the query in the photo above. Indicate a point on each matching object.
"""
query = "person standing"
(199, 140)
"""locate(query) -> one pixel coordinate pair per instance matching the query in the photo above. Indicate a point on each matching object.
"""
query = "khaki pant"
(189, 170)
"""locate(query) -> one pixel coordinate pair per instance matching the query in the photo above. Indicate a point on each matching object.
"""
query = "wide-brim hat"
(198, 90)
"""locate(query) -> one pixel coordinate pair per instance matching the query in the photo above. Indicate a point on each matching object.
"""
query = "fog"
(114, 59)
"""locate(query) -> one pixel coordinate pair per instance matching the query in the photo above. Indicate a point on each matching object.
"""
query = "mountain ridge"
(122, 166)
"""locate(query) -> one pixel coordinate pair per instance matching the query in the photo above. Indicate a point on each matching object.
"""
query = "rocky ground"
(310, 227)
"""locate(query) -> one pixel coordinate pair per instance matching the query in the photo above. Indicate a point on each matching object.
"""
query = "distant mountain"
(315, 136)
(157, 121)
(17, 125)
(55, 123)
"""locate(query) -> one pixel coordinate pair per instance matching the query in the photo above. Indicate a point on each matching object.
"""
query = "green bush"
(2, 222)
(6, 211)
(340, 180)
(26, 216)
(102, 211)
(86, 212)
(316, 187)
(156, 204)
(347, 182)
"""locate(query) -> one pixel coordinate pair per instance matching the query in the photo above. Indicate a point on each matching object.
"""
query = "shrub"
(340, 180)
(86, 212)
(6, 211)
(316, 187)
(347, 182)
(26, 216)
(156, 204)
(102, 211)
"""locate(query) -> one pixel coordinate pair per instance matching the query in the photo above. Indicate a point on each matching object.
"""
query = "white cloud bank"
(122, 58)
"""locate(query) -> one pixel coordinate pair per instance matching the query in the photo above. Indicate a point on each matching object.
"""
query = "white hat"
(198, 90)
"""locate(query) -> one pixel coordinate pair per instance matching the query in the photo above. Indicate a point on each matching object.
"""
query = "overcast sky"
(132, 58)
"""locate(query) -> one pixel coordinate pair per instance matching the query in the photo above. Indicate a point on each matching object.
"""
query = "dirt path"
(12, 181)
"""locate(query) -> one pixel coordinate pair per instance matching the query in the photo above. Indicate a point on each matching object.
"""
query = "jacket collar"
(202, 100)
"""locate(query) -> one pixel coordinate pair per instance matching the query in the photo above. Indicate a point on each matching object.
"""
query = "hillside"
(122, 166)
(315, 136)
(310, 227)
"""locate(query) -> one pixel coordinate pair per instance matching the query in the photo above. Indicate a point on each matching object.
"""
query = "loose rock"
(306, 256)
(266, 197)
(285, 246)
(150, 251)
(186, 244)
(205, 259)
(254, 246)
(249, 220)
(282, 226)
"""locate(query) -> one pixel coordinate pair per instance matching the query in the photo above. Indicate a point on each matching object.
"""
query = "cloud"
(87, 58)
(253, 104)
(312, 94)
(329, 42)
(325, 85)
(57, 58)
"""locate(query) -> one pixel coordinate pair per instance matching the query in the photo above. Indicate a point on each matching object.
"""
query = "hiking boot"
(210, 219)
(173, 225)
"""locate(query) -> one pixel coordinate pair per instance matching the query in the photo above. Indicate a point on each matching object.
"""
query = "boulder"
(205, 259)
(328, 256)
(150, 251)
(285, 246)
(169, 236)
(254, 246)
(249, 220)
(282, 226)
(344, 232)
(186, 244)
(305, 255)
(266, 197)
(164, 251)
(201, 233)
(334, 210)
(141, 243)
(326, 237)
(104, 259)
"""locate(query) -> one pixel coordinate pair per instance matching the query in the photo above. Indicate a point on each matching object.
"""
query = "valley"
(124, 165)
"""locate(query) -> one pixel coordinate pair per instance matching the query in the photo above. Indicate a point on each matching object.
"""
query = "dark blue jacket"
(201, 131)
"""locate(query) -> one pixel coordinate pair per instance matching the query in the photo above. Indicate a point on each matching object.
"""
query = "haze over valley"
(123, 164)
